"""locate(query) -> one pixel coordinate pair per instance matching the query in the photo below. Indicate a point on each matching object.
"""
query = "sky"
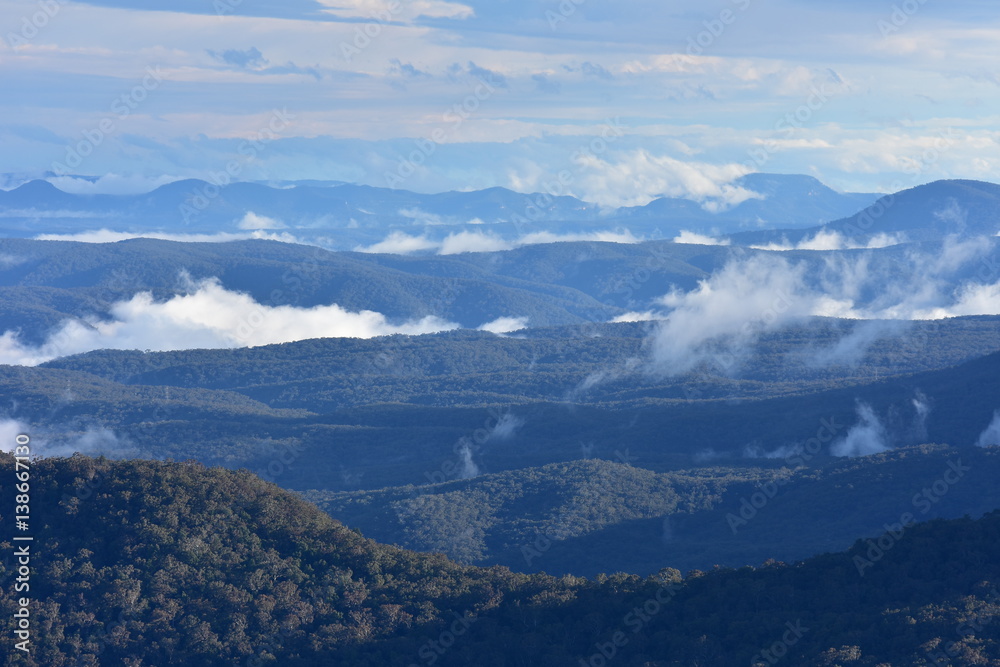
(615, 103)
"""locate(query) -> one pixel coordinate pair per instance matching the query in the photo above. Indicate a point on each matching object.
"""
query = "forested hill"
(144, 563)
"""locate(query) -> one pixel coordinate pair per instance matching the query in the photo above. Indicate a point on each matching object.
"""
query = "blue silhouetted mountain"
(923, 213)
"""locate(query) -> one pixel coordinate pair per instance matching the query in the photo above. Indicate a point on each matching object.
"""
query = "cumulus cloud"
(694, 238)
(866, 437)
(253, 221)
(991, 436)
(503, 325)
(207, 316)
(111, 236)
(638, 177)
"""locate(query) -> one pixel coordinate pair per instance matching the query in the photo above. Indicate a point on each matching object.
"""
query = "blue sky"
(620, 101)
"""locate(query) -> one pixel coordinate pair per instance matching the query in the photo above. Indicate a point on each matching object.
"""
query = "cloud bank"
(207, 316)
(456, 243)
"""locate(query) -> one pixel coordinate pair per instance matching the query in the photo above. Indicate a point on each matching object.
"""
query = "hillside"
(574, 517)
(174, 564)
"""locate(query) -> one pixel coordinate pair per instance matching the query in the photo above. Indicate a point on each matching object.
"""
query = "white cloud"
(602, 237)
(991, 436)
(66, 440)
(208, 316)
(503, 325)
(252, 221)
(461, 242)
(638, 177)
(716, 322)
(834, 240)
(9, 430)
(400, 243)
(421, 217)
(8, 261)
(865, 438)
(694, 238)
(647, 316)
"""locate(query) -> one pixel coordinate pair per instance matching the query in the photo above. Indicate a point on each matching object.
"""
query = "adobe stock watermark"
(567, 8)
(432, 650)
(715, 28)
(901, 15)
(249, 149)
(32, 25)
(455, 116)
(563, 527)
(779, 649)
(788, 124)
(914, 167)
(923, 501)
(610, 132)
(635, 620)
(121, 108)
(369, 32)
(800, 455)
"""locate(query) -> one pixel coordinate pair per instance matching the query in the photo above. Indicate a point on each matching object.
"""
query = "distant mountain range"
(363, 214)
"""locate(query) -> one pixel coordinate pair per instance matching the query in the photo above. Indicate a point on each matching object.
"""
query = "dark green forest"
(146, 563)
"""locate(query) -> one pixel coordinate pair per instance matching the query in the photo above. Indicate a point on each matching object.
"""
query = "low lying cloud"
(401, 243)
(503, 325)
(252, 221)
(726, 313)
(506, 427)
(991, 436)
(718, 322)
(8, 261)
(208, 316)
(647, 316)
(865, 438)
(66, 440)
(834, 240)
(462, 242)
(694, 238)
